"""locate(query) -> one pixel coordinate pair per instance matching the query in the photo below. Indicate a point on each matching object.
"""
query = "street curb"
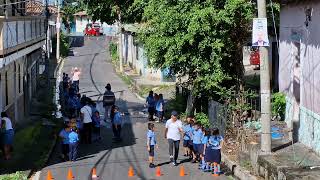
(236, 169)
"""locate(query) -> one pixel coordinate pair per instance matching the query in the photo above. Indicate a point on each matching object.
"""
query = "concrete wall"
(299, 75)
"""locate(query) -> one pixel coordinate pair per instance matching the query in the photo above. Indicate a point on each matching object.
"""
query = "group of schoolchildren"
(200, 145)
(155, 104)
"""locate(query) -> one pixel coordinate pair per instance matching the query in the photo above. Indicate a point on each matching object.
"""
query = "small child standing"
(213, 151)
(117, 122)
(151, 143)
(196, 140)
(73, 145)
(204, 141)
(96, 121)
(187, 133)
(64, 135)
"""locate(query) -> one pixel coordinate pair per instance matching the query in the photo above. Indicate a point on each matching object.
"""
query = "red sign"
(255, 58)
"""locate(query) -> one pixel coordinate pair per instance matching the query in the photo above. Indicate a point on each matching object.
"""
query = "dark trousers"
(117, 131)
(151, 111)
(87, 131)
(76, 85)
(114, 130)
(174, 145)
(73, 151)
(65, 151)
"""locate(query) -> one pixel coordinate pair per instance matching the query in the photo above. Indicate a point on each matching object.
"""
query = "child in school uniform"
(117, 122)
(64, 136)
(197, 135)
(187, 134)
(213, 151)
(73, 145)
(151, 144)
(204, 141)
(96, 121)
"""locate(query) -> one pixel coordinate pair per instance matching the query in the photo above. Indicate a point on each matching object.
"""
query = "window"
(6, 88)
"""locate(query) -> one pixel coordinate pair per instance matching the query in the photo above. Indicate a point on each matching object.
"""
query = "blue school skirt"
(8, 137)
(213, 155)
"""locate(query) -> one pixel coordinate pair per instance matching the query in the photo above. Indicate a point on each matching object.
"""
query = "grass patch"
(31, 147)
(14, 176)
(144, 90)
(126, 79)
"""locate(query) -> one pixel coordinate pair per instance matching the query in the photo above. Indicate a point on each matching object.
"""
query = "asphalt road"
(112, 161)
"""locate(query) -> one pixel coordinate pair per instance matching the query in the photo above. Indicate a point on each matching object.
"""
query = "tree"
(199, 40)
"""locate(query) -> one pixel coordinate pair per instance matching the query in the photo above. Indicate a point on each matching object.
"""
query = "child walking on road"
(213, 151)
(73, 145)
(117, 122)
(197, 135)
(64, 135)
(151, 144)
(187, 134)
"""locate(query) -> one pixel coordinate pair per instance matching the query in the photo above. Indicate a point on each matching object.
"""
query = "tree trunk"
(190, 104)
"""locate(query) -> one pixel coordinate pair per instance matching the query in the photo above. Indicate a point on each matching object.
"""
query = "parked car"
(92, 30)
(98, 28)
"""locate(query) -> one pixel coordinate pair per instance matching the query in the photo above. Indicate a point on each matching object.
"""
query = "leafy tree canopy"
(198, 39)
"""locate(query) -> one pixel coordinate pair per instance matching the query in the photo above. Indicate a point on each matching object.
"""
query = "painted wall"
(299, 71)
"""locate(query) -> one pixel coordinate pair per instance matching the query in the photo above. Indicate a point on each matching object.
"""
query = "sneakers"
(171, 159)
(151, 165)
(175, 163)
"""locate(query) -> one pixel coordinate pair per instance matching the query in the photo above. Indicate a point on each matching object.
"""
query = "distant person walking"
(117, 123)
(151, 103)
(173, 134)
(109, 100)
(8, 135)
(76, 77)
(86, 117)
(160, 108)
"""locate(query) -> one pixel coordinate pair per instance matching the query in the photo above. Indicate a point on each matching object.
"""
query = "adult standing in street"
(8, 135)
(109, 100)
(76, 78)
(173, 134)
(86, 117)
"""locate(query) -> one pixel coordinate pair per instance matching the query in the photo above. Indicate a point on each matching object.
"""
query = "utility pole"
(264, 89)
(58, 32)
(120, 40)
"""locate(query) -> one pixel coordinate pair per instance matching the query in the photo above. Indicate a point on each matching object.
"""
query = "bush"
(64, 45)
(114, 52)
(203, 119)
(278, 104)
(177, 103)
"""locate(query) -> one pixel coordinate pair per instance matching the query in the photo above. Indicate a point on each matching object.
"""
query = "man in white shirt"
(76, 77)
(173, 134)
(86, 117)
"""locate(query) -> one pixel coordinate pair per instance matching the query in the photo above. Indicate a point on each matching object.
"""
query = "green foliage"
(15, 176)
(113, 48)
(64, 45)
(203, 119)
(177, 103)
(109, 11)
(200, 40)
(278, 104)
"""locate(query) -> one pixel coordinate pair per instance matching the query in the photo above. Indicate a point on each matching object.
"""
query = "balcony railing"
(19, 32)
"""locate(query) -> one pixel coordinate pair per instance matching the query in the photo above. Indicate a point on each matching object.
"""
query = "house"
(299, 69)
(134, 55)
(23, 30)
(82, 19)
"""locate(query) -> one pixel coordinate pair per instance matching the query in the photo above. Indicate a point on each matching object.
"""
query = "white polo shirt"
(174, 129)
(87, 114)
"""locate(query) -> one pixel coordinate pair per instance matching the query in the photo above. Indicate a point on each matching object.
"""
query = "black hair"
(150, 126)
(66, 125)
(191, 121)
(4, 114)
(207, 132)
(197, 124)
(150, 93)
(108, 87)
(215, 131)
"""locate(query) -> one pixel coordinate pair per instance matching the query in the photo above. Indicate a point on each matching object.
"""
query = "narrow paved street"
(112, 161)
